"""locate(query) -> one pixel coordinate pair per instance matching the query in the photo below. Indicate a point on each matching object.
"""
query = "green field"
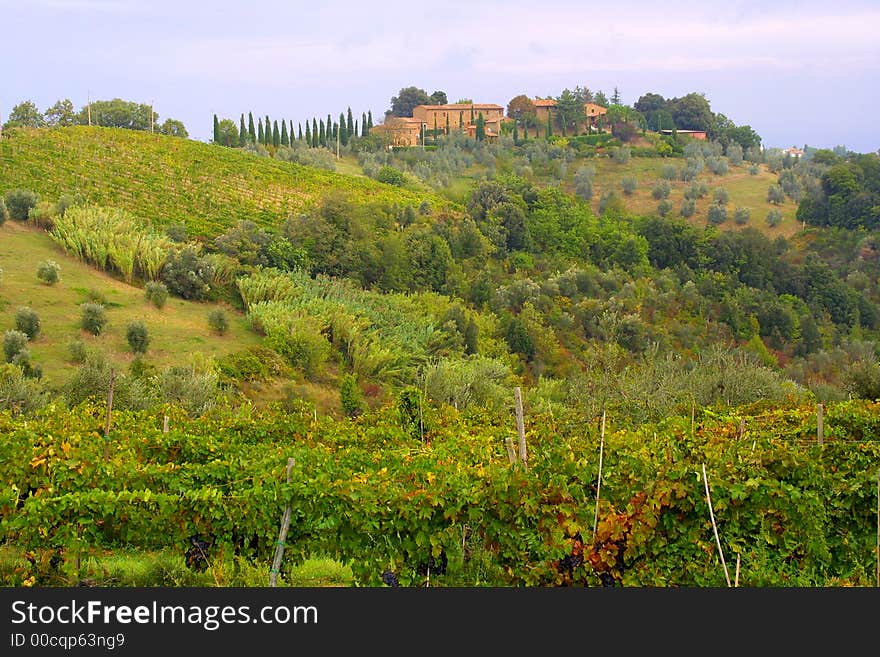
(163, 179)
(177, 331)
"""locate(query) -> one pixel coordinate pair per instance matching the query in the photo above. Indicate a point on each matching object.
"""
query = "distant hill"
(163, 179)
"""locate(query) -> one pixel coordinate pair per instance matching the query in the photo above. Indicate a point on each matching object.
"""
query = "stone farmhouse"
(547, 106)
(459, 117)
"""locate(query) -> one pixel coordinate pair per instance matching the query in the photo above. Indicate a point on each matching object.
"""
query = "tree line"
(268, 132)
(116, 113)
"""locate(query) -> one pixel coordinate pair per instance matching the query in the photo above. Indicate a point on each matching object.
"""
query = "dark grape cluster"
(569, 562)
(390, 578)
(197, 554)
(437, 566)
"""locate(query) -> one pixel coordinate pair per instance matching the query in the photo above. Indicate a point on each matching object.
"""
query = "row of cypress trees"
(317, 132)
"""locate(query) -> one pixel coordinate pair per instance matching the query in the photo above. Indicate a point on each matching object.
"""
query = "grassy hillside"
(164, 179)
(177, 331)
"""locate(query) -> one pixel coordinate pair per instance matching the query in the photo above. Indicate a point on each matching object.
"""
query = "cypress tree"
(276, 136)
(308, 134)
(369, 120)
(285, 140)
(299, 131)
(549, 126)
(363, 124)
(292, 134)
(435, 127)
(242, 135)
(349, 125)
(267, 131)
(480, 132)
(314, 133)
(343, 130)
(322, 135)
(460, 119)
(355, 133)
(329, 125)
(260, 139)
(252, 134)
(447, 124)
(473, 118)
(216, 130)
(515, 133)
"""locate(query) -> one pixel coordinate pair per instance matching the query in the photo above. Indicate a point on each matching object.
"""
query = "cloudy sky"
(798, 72)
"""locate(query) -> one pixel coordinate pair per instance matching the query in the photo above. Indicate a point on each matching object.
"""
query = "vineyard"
(416, 495)
(162, 179)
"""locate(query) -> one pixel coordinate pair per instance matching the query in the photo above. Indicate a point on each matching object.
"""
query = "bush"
(19, 203)
(47, 272)
(218, 321)
(351, 396)
(610, 202)
(391, 176)
(629, 184)
(4, 213)
(186, 274)
(717, 214)
(720, 196)
(176, 232)
(664, 207)
(621, 155)
(741, 216)
(774, 218)
(14, 342)
(156, 293)
(42, 215)
(22, 360)
(28, 322)
(661, 190)
(718, 165)
(77, 350)
(137, 336)
(696, 190)
(776, 195)
(668, 172)
(18, 392)
(754, 170)
(93, 318)
(688, 207)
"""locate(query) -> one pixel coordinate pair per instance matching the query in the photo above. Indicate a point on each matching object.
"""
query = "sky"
(798, 72)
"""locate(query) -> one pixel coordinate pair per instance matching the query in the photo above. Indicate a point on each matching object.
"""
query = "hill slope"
(163, 179)
(176, 331)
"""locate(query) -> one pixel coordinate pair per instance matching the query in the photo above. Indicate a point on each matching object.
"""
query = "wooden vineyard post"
(820, 423)
(715, 527)
(599, 478)
(521, 428)
(282, 535)
(109, 412)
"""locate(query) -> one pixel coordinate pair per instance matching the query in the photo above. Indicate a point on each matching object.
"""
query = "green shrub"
(28, 322)
(720, 196)
(93, 318)
(22, 360)
(156, 292)
(661, 190)
(42, 215)
(350, 396)
(18, 392)
(664, 207)
(629, 184)
(717, 214)
(741, 216)
(4, 213)
(14, 342)
(77, 350)
(192, 389)
(754, 170)
(218, 321)
(47, 272)
(774, 218)
(137, 336)
(186, 273)
(19, 203)
(688, 207)
(391, 176)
